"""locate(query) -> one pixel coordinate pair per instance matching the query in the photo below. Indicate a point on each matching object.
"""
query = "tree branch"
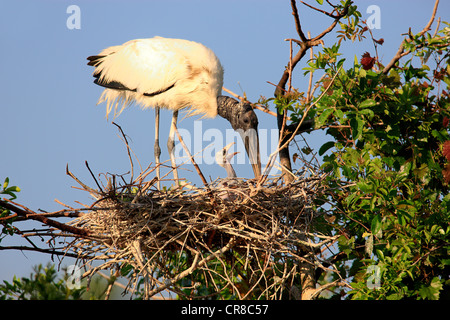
(27, 213)
(322, 11)
(304, 44)
(401, 50)
(36, 249)
(298, 26)
(195, 265)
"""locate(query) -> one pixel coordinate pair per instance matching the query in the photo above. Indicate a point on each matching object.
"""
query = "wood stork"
(172, 74)
(223, 159)
(226, 185)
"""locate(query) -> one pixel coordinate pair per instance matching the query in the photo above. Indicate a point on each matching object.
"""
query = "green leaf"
(365, 187)
(325, 147)
(5, 184)
(323, 117)
(368, 112)
(367, 103)
(320, 2)
(13, 189)
(126, 269)
(431, 292)
(376, 224)
(357, 125)
(380, 255)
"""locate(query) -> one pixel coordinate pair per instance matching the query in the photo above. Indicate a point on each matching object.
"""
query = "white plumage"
(160, 72)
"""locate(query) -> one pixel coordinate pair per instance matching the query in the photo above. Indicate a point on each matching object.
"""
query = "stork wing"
(147, 66)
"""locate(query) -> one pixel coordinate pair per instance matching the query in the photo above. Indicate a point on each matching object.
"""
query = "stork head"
(223, 159)
(243, 120)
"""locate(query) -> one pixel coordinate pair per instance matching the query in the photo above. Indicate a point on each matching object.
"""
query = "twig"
(79, 182)
(25, 212)
(311, 56)
(197, 168)
(128, 149)
(193, 267)
(298, 126)
(330, 14)
(401, 50)
(298, 25)
(92, 174)
(41, 250)
(290, 67)
(254, 105)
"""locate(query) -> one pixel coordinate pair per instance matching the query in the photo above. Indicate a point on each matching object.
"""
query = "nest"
(232, 238)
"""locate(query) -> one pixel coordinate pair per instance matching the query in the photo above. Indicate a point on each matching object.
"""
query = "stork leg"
(157, 149)
(171, 145)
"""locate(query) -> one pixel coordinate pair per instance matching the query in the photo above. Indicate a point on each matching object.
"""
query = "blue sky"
(48, 112)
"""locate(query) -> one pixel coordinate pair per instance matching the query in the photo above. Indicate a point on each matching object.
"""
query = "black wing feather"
(113, 84)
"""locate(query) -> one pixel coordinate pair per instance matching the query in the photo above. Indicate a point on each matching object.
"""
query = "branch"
(254, 105)
(27, 213)
(320, 10)
(304, 44)
(313, 293)
(430, 22)
(305, 113)
(36, 249)
(194, 266)
(401, 50)
(297, 21)
(283, 142)
(308, 93)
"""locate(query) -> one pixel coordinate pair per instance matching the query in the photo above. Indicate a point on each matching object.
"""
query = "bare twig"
(330, 14)
(254, 105)
(311, 56)
(299, 124)
(128, 150)
(25, 212)
(298, 25)
(401, 50)
(191, 158)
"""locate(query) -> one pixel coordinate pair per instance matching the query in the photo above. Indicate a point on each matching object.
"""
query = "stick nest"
(235, 235)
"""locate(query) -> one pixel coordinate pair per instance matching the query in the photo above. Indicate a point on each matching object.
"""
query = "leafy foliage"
(42, 285)
(45, 283)
(388, 159)
(7, 228)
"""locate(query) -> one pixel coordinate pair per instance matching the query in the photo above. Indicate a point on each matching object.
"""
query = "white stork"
(172, 74)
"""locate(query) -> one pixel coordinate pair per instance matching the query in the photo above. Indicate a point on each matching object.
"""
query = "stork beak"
(251, 143)
(227, 147)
